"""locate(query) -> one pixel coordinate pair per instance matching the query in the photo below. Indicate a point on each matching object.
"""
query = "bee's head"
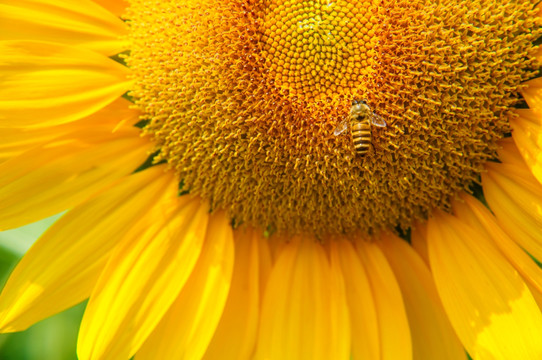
(358, 102)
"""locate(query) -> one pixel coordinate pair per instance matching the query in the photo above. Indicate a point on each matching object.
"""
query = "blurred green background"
(51, 339)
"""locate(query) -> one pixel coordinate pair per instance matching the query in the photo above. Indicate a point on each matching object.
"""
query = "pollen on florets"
(242, 99)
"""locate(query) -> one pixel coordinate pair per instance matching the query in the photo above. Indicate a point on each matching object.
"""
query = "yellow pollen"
(243, 99)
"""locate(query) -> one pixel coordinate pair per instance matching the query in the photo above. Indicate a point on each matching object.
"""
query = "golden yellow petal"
(487, 302)
(236, 334)
(418, 239)
(394, 330)
(432, 333)
(45, 84)
(69, 22)
(15, 141)
(62, 267)
(527, 134)
(53, 177)
(304, 312)
(187, 328)
(476, 215)
(360, 300)
(116, 7)
(143, 277)
(515, 197)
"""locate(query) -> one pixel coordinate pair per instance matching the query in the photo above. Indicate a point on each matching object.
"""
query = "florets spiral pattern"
(242, 98)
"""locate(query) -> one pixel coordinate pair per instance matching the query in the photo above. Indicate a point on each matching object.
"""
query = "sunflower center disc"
(243, 97)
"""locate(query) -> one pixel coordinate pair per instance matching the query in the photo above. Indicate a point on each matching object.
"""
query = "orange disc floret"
(242, 99)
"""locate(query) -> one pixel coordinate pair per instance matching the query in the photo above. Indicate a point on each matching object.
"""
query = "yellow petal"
(527, 134)
(476, 215)
(62, 267)
(394, 331)
(187, 328)
(537, 295)
(487, 302)
(515, 197)
(44, 84)
(266, 264)
(432, 333)
(276, 244)
(360, 300)
(54, 177)
(533, 93)
(143, 277)
(69, 22)
(304, 314)
(15, 141)
(418, 239)
(117, 7)
(236, 334)
(510, 155)
(509, 152)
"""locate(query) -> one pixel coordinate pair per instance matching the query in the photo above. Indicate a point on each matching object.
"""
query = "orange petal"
(476, 215)
(15, 141)
(187, 328)
(487, 302)
(54, 177)
(432, 333)
(304, 313)
(144, 275)
(236, 334)
(45, 84)
(69, 22)
(395, 339)
(63, 265)
(360, 299)
(515, 197)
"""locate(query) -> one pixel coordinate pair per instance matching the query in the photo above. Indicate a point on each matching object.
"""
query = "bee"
(360, 120)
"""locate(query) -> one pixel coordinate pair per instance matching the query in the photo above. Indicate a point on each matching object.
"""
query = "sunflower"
(213, 209)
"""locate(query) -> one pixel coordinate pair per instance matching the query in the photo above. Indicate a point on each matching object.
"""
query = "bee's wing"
(377, 120)
(341, 127)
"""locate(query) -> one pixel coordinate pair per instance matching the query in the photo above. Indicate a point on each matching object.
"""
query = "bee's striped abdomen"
(361, 136)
